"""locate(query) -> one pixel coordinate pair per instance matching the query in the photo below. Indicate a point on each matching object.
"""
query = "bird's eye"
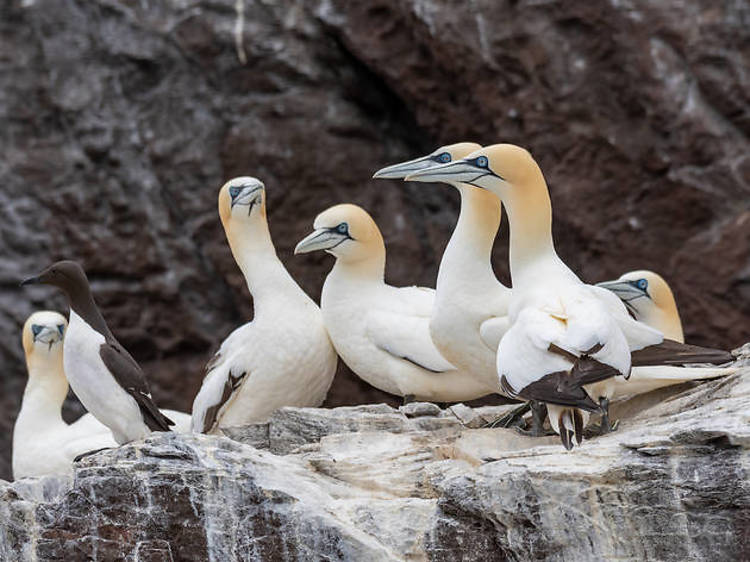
(343, 228)
(235, 190)
(35, 329)
(482, 162)
(642, 284)
(443, 158)
(61, 328)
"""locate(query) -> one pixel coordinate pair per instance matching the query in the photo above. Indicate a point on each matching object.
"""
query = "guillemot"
(106, 379)
(283, 357)
(380, 331)
(567, 340)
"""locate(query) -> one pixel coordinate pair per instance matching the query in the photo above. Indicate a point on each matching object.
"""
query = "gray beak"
(30, 281)
(459, 171)
(320, 239)
(623, 289)
(400, 171)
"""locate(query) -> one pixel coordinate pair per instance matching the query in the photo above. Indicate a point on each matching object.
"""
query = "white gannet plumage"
(650, 300)
(567, 340)
(381, 332)
(470, 314)
(283, 357)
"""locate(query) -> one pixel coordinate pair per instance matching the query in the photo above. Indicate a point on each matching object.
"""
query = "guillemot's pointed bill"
(441, 155)
(284, 356)
(99, 369)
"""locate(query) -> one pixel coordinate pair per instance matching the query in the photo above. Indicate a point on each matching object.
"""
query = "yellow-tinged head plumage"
(242, 198)
(43, 332)
(346, 231)
(441, 155)
(650, 300)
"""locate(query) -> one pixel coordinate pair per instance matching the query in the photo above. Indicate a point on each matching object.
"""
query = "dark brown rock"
(121, 120)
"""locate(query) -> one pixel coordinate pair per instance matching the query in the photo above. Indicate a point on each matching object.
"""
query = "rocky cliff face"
(372, 483)
(120, 120)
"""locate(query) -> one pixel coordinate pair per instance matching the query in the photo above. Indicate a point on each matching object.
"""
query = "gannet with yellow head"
(649, 299)
(567, 340)
(380, 331)
(283, 357)
(471, 306)
(42, 442)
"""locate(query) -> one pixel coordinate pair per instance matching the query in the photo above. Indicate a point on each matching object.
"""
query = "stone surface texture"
(372, 483)
(121, 119)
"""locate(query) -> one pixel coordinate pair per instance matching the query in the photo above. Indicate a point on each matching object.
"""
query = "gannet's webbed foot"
(605, 426)
(538, 415)
(409, 398)
(512, 418)
(89, 453)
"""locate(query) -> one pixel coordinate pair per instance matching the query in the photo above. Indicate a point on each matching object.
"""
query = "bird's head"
(346, 231)
(43, 333)
(442, 155)
(641, 291)
(500, 168)
(242, 198)
(66, 275)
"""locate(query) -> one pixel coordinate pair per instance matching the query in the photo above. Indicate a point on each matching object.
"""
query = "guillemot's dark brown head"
(66, 275)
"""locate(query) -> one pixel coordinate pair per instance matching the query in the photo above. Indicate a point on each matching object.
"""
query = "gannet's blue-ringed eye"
(443, 158)
(36, 328)
(235, 190)
(482, 162)
(61, 328)
(343, 228)
(642, 284)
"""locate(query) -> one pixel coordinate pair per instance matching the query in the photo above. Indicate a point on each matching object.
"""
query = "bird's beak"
(31, 281)
(400, 171)
(320, 239)
(459, 171)
(622, 289)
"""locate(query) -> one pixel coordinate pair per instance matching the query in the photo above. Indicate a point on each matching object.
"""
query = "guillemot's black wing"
(129, 376)
(670, 352)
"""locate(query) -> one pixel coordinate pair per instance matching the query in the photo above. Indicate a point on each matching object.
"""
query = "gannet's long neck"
(45, 392)
(532, 250)
(265, 275)
(466, 262)
(370, 269)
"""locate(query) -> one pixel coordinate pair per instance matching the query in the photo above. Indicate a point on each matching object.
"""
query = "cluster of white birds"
(565, 346)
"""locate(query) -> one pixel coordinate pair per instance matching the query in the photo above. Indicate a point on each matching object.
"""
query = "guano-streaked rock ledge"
(420, 483)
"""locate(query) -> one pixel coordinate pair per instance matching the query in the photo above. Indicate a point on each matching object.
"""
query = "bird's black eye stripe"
(442, 158)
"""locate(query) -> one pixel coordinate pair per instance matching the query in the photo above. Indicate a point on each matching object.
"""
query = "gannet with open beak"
(381, 332)
(107, 380)
(43, 443)
(283, 357)
(567, 340)
(649, 299)
(470, 314)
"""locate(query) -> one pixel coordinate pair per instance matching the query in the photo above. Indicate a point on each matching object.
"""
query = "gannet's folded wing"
(406, 337)
(492, 330)
(219, 386)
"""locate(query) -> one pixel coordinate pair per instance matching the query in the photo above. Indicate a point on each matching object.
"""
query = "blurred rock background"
(120, 120)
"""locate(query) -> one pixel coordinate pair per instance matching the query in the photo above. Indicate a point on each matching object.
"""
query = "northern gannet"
(381, 332)
(42, 442)
(283, 357)
(107, 380)
(470, 313)
(567, 340)
(649, 299)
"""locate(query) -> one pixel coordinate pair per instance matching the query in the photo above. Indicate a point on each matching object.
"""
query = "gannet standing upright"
(566, 340)
(106, 379)
(381, 332)
(470, 314)
(283, 357)
(648, 297)
(42, 442)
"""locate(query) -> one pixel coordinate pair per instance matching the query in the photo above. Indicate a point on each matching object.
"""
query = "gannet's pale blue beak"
(460, 171)
(320, 239)
(400, 171)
